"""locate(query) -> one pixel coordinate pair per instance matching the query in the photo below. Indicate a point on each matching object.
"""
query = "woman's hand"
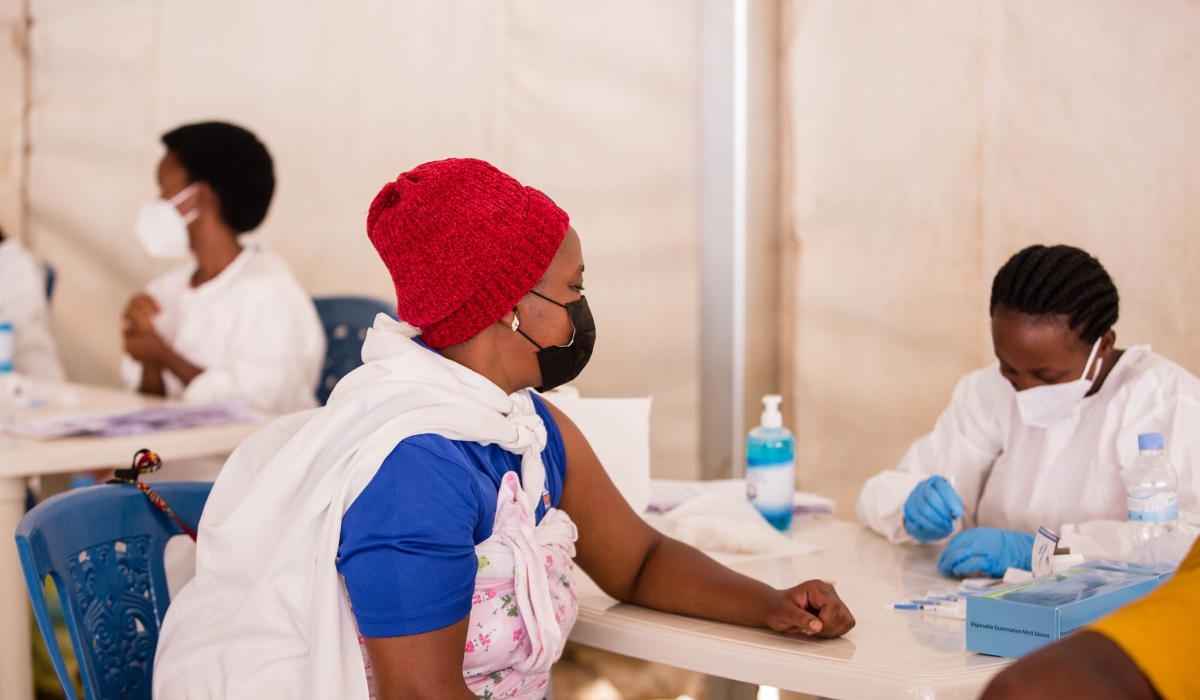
(987, 550)
(931, 508)
(139, 313)
(812, 608)
(145, 345)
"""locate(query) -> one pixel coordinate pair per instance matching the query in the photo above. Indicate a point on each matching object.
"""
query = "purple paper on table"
(140, 421)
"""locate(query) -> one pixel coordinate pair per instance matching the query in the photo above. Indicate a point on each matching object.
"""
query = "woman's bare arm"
(425, 666)
(634, 563)
(1083, 666)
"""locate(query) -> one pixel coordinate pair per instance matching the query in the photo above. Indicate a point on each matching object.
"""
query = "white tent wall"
(12, 110)
(931, 140)
(764, 329)
(594, 103)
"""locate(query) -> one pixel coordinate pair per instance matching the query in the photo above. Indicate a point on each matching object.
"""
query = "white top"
(252, 328)
(1017, 477)
(23, 303)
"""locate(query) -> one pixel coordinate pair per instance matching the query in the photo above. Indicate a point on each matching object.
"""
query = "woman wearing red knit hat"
(414, 538)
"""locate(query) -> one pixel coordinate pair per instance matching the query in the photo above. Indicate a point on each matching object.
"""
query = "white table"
(887, 655)
(23, 458)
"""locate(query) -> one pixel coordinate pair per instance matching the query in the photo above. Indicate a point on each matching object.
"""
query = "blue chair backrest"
(103, 548)
(346, 320)
(51, 277)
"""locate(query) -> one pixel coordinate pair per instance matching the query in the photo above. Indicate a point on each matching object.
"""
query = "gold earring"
(516, 322)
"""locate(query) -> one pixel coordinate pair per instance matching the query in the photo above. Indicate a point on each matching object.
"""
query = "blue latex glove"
(931, 508)
(987, 550)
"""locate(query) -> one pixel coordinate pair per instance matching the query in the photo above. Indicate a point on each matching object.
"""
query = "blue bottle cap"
(1150, 441)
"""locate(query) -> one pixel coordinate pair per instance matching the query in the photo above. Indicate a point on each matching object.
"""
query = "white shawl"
(266, 615)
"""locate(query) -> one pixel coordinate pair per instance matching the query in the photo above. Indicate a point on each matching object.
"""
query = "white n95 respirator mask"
(1044, 406)
(161, 229)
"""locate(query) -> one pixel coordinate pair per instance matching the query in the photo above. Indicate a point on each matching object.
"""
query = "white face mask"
(162, 230)
(1046, 405)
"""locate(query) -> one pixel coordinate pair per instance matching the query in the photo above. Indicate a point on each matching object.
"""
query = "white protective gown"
(252, 328)
(23, 303)
(1017, 477)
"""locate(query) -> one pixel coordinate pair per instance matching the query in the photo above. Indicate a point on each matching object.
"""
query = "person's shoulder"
(554, 455)
(1143, 360)
(551, 416)
(261, 261)
(429, 466)
(429, 446)
(985, 382)
(988, 374)
(544, 411)
(1144, 371)
(13, 253)
(267, 276)
(429, 451)
(986, 397)
(18, 264)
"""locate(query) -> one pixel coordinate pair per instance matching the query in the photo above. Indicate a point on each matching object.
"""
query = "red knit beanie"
(464, 243)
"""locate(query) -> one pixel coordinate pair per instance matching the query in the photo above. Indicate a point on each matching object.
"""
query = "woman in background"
(233, 322)
(1040, 437)
(23, 304)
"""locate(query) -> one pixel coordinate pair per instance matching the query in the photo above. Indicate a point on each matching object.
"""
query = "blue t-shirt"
(407, 548)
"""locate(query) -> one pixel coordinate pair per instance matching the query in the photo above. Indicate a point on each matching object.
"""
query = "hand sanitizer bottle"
(771, 466)
(1152, 491)
(6, 346)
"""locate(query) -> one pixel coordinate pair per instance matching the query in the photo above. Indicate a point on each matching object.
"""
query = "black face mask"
(562, 363)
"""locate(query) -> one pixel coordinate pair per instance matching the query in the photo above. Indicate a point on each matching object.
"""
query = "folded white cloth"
(727, 527)
(720, 522)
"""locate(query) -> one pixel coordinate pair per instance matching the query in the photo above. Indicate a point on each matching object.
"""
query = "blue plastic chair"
(346, 320)
(51, 278)
(103, 548)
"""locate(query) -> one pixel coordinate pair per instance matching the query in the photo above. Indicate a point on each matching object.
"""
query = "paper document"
(139, 421)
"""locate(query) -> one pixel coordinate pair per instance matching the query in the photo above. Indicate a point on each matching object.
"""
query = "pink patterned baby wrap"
(524, 603)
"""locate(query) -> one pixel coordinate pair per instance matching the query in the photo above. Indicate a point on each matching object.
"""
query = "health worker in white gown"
(233, 322)
(23, 305)
(1040, 437)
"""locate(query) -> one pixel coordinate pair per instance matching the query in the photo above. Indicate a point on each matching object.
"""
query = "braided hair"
(1059, 280)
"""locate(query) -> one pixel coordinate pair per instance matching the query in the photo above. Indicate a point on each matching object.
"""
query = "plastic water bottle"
(1152, 491)
(6, 346)
(771, 466)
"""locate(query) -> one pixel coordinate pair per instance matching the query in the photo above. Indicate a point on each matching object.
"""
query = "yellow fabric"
(1161, 632)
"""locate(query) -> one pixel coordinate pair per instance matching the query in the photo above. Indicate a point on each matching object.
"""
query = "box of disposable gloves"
(1014, 620)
